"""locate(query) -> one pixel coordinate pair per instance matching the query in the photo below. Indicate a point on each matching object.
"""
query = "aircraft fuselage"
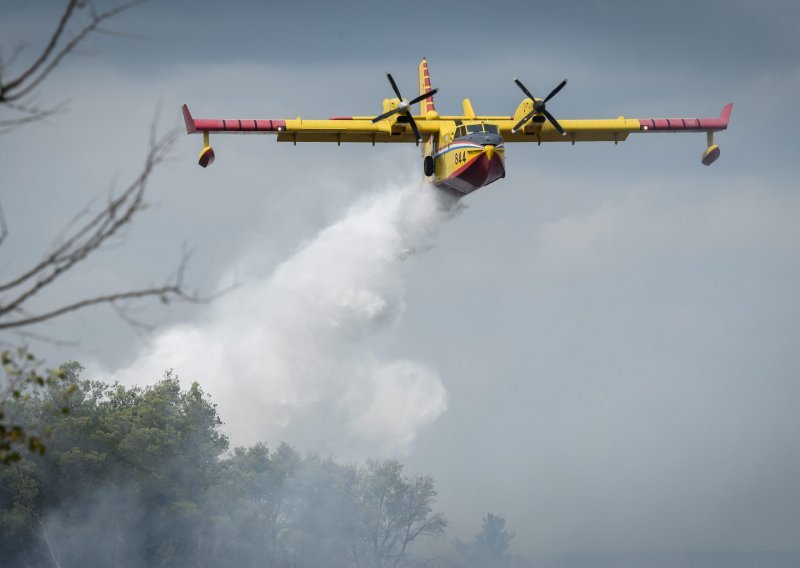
(470, 157)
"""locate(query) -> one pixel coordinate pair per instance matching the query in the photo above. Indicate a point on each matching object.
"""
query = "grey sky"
(616, 327)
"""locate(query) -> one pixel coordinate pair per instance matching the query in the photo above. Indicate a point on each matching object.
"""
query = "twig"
(34, 114)
(46, 339)
(49, 59)
(3, 225)
(166, 294)
(89, 237)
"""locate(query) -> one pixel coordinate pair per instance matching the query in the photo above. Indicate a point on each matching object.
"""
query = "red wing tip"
(726, 112)
(187, 118)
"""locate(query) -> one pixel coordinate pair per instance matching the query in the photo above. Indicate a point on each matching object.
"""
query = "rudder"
(425, 105)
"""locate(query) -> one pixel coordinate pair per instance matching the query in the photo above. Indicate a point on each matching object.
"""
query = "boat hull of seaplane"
(461, 168)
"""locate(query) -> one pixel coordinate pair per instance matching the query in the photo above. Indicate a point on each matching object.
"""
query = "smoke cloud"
(287, 356)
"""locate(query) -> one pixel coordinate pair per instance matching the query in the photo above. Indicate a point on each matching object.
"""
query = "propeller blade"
(386, 115)
(413, 124)
(554, 92)
(525, 119)
(524, 90)
(394, 86)
(423, 96)
(553, 121)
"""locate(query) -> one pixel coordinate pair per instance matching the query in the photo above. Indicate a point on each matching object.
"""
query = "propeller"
(540, 107)
(404, 106)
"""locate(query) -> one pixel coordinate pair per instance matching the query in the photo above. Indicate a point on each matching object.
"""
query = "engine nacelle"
(523, 109)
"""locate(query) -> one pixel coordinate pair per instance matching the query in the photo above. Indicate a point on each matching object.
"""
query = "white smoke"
(286, 357)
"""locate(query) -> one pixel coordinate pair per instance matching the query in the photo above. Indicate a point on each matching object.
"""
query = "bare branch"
(62, 23)
(82, 242)
(49, 59)
(32, 114)
(30, 78)
(116, 33)
(139, 326)
(174, 290)
(90, 236)
(5, 63)
(3, 226)
(165, 293)
(46, 339)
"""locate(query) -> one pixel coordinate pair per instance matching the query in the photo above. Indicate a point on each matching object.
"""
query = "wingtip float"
(461, 153)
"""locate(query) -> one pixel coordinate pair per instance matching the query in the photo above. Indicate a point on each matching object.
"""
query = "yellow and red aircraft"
(460, 153)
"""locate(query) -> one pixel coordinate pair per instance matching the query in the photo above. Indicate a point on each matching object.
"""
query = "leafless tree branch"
(3, 226)
(30, 114)
(165, 293)
(49, 59)
(48, 50)
(46, 339)
(91, 235)
(82, 242)
(124, 313)
(117, 33)
(4, 63)
(51, 56)
(89, 231)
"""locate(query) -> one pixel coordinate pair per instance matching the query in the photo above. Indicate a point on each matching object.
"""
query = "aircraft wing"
(337, 129)
(610, 130)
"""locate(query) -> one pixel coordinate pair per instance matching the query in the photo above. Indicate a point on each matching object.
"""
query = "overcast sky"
(603, 346)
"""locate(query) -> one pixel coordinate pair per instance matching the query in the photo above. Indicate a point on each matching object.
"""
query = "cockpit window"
(461, 131)
(470, 128)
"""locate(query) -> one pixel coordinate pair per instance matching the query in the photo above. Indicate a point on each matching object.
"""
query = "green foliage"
(142, 476)
(20, 381)
(150, 453)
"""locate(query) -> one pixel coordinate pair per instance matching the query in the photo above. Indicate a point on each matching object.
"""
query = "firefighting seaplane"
(459, 153)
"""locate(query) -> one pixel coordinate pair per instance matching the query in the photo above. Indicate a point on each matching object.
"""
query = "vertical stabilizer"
(425, 105)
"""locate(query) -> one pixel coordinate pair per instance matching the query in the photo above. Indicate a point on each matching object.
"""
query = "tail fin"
(425, 105)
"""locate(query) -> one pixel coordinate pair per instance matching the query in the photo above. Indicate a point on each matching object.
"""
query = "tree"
(489, 548)
(140, 477)
(128, 471)
(393, 511)
(250, 507)
(80, 240)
